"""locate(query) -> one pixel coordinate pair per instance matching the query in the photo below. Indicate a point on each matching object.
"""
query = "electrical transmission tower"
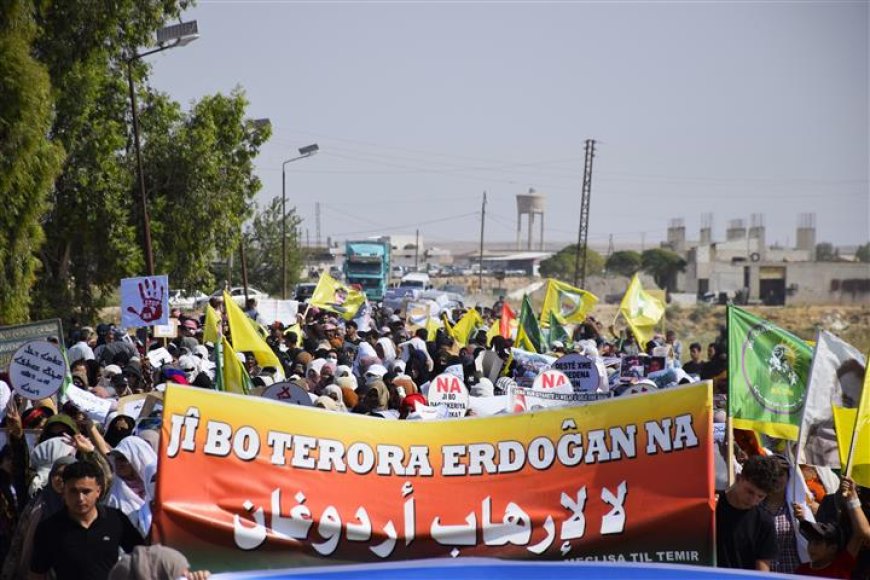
(583, 236)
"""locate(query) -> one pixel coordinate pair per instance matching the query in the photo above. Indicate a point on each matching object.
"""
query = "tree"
(863, 253)
(625, 263)
(200, 181)
(825, 252)
(663, 265)
(263, 248)
(91, 227)
(561, 264)
(29, 162)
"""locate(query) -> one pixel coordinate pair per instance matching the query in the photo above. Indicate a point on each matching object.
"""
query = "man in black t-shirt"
(81, 542)
(694, 366)
(745, 532)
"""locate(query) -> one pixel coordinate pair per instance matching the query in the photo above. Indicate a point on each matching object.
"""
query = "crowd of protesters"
(81, 481)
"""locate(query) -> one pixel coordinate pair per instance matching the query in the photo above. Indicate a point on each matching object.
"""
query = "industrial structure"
(745, 268)
(529, 205)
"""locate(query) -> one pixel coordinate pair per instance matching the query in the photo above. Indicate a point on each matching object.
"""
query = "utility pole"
(583, 234)
(416, 249)
(317, 224)
(244, 267)
(480, 262)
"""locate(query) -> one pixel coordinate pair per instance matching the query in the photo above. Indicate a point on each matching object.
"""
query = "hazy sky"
(733, 108)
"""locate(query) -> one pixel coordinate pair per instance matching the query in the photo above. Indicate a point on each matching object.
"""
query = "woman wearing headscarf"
(334, 392)
(131, 462)
(120, 426)
(312, 375)
(154, 563)
(385, 350)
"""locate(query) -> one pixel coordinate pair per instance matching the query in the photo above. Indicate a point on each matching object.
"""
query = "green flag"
(768, 372)
(529, 335)
(557, 331)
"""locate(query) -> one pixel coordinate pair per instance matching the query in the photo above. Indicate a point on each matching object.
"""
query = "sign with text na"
(322, 487)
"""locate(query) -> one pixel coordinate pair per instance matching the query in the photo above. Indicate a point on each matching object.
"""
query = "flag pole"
(729, 425)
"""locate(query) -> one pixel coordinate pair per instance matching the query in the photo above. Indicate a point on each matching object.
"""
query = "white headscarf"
(43, 457)
(389, 350)
(142, 458)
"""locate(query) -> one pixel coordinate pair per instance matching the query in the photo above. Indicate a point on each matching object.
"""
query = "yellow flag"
(211, 331)
(494, 330)
(844, 424)
(448, 328)
(432, 327)
(246, 338)
(235, 375)
(466, 325)
(332, 295)
(858, 455)
(567, 303)
(642, 311)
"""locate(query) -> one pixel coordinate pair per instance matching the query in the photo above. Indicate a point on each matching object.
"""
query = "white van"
(416, 280)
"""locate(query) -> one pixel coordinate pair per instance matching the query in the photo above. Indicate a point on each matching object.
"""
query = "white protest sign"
(144, 301)
(552, 381)
(159, 357)
(132, 405)
(580, 370)
(271, 310)
(169, 330)
(449, 391)
(488, 406)
(522, 399)
(37, 370)
(88, 403)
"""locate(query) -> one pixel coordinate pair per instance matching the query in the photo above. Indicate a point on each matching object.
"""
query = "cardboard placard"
(169, 330)
(13, 337)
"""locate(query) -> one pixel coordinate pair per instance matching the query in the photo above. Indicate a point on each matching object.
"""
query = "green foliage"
(663, 265)
(863, 253)
(29, 163)
(561, 264)
(263, 249)
(200, 181)
(625, 263)
(825, 252)
(92, 236)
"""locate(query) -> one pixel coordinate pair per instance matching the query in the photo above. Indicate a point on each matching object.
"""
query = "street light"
(168, 37)
(304, 152)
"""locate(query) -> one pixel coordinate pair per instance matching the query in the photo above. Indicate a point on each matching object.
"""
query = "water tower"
(530, 204)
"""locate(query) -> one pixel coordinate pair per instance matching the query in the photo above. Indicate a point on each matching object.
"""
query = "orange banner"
(248, 483)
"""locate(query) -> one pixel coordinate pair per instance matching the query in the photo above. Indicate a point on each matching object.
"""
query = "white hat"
(111, 371)
(376, 370)
(557, 344)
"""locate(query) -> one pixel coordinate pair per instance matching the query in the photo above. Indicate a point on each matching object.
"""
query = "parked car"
(186, 300)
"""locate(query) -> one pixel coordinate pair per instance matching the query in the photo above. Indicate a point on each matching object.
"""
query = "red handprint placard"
(144, 301)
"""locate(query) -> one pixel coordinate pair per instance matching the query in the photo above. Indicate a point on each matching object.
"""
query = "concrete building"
(745, 266)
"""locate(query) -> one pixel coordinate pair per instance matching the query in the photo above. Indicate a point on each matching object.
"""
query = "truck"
(367, 263)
